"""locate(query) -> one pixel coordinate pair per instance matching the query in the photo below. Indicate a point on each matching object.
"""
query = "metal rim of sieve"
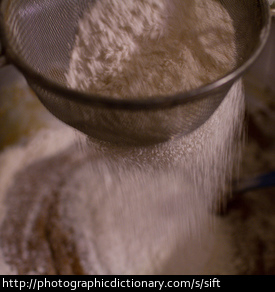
(136, 104)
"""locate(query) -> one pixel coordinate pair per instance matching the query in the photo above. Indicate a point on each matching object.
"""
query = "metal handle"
(262, 181)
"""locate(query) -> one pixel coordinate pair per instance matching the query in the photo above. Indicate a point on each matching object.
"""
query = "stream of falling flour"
(145, 210)
(107, 210)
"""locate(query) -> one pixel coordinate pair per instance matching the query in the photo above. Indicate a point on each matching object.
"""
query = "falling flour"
(112, 211)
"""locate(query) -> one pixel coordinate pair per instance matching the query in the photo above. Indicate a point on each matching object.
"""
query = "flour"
(128, 49)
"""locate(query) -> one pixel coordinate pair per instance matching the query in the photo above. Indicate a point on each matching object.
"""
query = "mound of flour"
(129, 48)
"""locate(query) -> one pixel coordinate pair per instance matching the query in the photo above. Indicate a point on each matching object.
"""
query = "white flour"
(128, 48)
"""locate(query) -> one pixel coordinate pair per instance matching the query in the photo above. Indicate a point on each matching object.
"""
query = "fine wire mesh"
(41, 33)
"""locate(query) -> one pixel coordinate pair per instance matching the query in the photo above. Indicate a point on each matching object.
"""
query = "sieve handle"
(266, 180)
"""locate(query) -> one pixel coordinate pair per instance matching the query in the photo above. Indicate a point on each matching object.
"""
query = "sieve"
(38, 37)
